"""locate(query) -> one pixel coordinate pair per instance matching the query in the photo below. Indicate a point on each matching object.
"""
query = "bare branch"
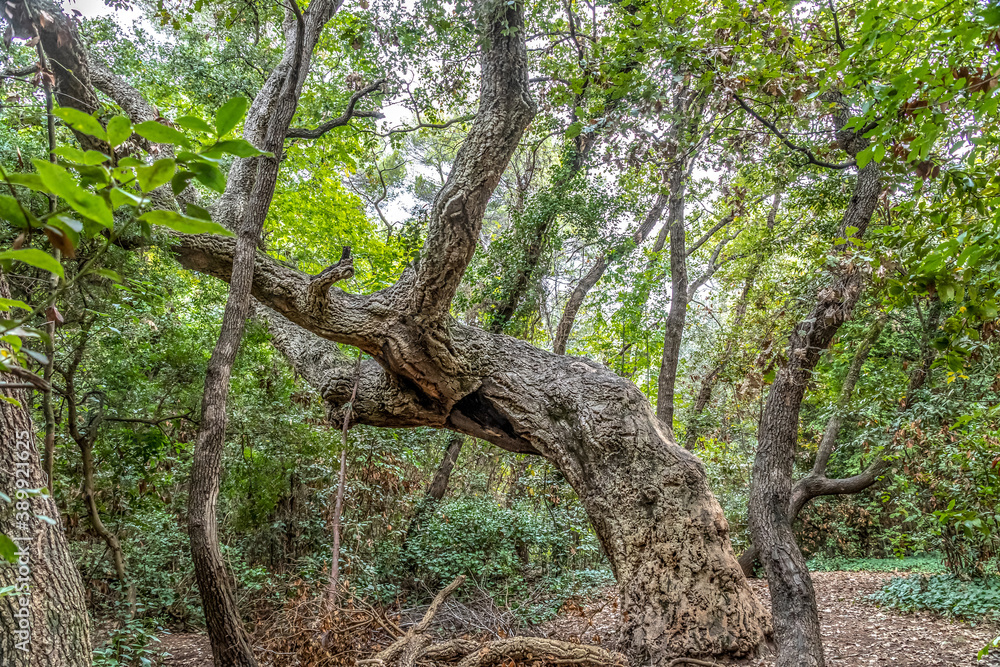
(431, 126)
(343, 119)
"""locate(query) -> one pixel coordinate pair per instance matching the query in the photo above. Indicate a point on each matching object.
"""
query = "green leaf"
(229, 115)
(30, 181)
(209, 175)
(120, 197)
(7, 304)
(8, 550)
(237, 147)
(109, 274)
(70, 153)
(89, 158)
(36, 258)
(156, 174)
(81, 122)
(184, 224)
(180, 181)
(60, 183)
(194, 123)
(161, 134)
(574, 130)
(94, 158)
(47, 519)
(119, 130)
(864, 157)
(12, 212)
(195, 211)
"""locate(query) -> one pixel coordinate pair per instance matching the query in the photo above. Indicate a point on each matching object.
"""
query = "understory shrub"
(974, 600)
(929, 563)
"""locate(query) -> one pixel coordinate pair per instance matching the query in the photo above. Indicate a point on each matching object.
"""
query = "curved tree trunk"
(793, 600)
(45, 623)
(664, 533)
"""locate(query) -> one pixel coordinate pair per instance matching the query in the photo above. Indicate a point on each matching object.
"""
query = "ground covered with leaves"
(857, 633)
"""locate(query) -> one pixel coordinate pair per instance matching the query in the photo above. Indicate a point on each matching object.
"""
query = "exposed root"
(551, 651)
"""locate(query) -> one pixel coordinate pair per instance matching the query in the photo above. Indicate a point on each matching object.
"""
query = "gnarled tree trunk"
(649, 500)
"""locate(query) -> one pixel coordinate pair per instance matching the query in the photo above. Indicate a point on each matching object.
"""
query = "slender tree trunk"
(793, 601)
(243, 207)
(816, 483)
(85, 441)
(333, 587)
(45, 622)
(114, 546)
(673, 333)
(48, 458)
(230, 645)
(439, 483)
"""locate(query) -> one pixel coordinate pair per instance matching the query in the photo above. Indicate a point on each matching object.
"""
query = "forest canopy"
(378, 332)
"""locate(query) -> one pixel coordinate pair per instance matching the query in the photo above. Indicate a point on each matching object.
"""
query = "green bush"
(974, 600)
(930, 564)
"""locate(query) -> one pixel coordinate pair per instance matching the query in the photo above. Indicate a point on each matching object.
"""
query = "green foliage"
(930, 564)
(131, 644)
(975, 600)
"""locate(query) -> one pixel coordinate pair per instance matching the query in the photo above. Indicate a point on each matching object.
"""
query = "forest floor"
(856, 632)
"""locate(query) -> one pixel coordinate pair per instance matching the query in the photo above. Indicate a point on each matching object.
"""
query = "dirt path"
(857, 634)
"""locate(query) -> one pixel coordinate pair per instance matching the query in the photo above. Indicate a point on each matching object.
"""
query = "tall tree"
(793, 601)
(649, 501)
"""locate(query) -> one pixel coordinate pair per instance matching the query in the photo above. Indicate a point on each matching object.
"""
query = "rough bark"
(816, 483)
(793, 601)
(45, 623)
(591, 278)
(664, 533)
(439, 483)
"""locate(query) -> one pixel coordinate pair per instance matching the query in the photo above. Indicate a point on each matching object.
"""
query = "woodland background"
(727, 100)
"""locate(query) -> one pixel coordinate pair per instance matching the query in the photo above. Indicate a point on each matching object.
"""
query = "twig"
(800, 149)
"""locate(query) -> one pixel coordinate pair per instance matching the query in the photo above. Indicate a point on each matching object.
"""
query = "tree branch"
(343, 119)
(810, 158)
(505, 109)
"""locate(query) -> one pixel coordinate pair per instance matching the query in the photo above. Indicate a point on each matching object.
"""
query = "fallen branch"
(415, 646)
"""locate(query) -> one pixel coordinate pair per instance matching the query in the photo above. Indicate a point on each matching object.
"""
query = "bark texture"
(45, 622)
(793, 601)
(663, 531)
